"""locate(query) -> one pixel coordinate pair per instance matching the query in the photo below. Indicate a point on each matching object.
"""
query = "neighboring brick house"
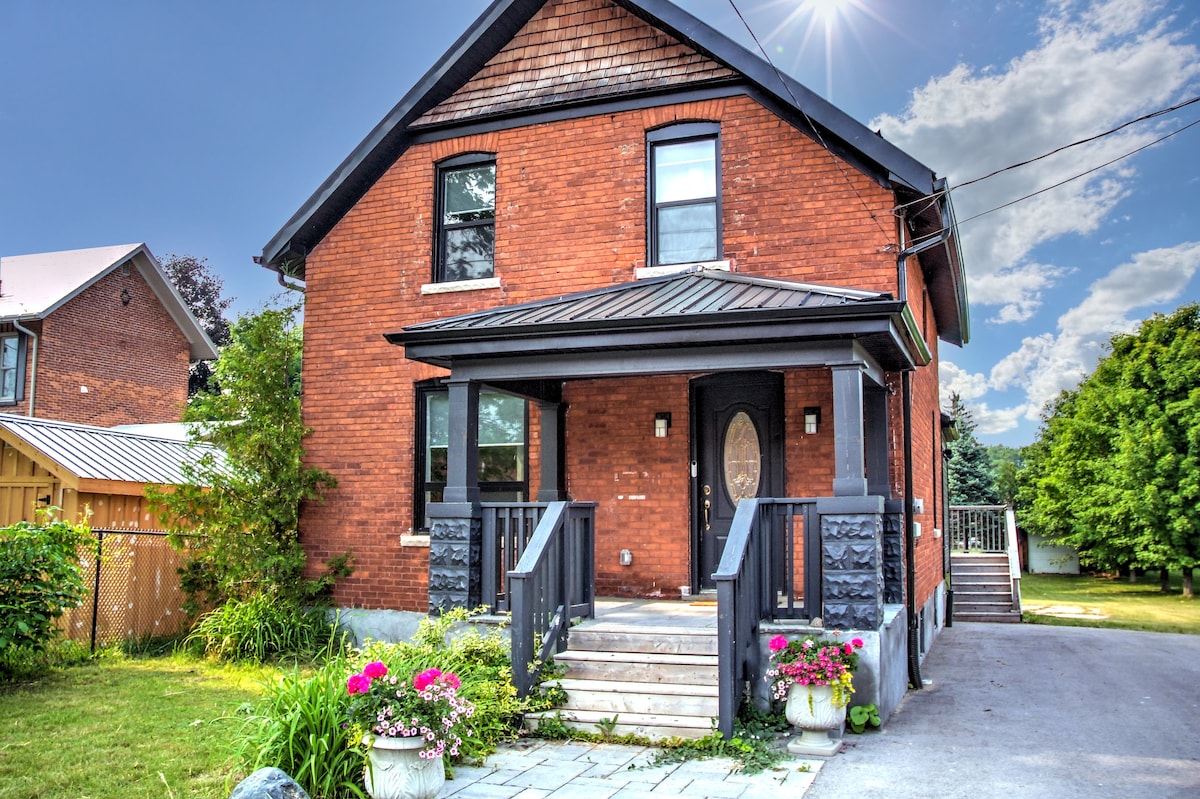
(628, 263)
(96, 336)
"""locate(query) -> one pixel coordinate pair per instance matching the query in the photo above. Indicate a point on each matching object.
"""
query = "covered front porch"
(739, 346)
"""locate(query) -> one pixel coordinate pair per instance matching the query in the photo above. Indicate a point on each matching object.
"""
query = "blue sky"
(200, 128)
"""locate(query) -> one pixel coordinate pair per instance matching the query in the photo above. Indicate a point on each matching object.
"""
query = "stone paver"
(573, 770)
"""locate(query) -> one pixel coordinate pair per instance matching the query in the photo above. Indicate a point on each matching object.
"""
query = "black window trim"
(679, 133)
(19, 387)
(439, 227)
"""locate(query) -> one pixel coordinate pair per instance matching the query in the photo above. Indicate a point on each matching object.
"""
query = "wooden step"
(646, 667)
(1010, 617)
(653, 726)
(611, 697)
(606, 637)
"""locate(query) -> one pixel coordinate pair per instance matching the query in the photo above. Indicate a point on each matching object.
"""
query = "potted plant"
(814, 677)
(408, 722)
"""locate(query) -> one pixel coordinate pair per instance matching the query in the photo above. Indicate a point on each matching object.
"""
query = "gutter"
(941, 238)
(33, 365)
(280, 275)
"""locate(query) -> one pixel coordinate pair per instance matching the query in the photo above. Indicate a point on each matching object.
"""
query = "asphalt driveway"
(1036, 711)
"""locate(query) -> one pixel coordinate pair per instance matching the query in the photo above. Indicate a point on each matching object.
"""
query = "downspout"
(910, 544)
(942, 237)
(280, 275)
(33, 364)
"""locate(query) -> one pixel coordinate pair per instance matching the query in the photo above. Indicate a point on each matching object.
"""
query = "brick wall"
(570, 216)
(131, 358)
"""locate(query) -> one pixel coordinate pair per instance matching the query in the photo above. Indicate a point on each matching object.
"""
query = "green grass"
(124, 729)
(1087, 601)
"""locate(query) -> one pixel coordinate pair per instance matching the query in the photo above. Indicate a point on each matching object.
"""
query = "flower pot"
(396, 770)
(811, 709)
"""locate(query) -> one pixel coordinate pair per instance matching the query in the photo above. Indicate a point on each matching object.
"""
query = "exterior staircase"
(654, 681)
(983, 588)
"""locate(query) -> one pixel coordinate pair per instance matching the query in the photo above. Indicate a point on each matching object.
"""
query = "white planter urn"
(810, 708)
(396, 770)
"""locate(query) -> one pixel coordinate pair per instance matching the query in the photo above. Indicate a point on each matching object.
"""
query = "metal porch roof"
(98, 453)
(685, 295)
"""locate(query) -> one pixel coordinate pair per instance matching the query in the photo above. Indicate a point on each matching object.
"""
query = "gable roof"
(432, 102)
(35, 286)
(77, 453)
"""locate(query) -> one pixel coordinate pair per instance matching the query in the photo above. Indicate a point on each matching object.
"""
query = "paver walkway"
(535, 769)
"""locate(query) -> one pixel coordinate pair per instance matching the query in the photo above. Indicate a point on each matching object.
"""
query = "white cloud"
(954, 380)
(1094, 67)
(1045, 365)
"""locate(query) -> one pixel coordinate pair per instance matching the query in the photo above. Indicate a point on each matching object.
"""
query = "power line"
(1122, 126)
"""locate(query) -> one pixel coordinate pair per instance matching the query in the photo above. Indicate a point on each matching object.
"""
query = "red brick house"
(96, 336)
(643, 284)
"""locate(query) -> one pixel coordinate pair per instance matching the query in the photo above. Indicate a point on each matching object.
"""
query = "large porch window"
(503, 450)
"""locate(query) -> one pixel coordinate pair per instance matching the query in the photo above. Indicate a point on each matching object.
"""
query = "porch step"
(655, 681)
(983, 588)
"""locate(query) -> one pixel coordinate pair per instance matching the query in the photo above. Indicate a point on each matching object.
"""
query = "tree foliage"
(40, 579)
(1116, 470)
(240, 514)
(201, 292)
(1006, 462)
(969, 469)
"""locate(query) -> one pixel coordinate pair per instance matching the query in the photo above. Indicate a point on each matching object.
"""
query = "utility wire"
(1122, 126)
(816, 131)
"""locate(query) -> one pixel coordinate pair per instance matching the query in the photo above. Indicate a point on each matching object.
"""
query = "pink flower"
(375, 670)
(849, 650)
(452, 680)
(426, 679)
(778, 643)
(358, 684)
(858, 643)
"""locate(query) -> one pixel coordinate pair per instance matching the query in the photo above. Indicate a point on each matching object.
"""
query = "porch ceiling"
(694, 321)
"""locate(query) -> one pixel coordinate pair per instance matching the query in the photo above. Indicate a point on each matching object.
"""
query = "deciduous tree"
(201, 291)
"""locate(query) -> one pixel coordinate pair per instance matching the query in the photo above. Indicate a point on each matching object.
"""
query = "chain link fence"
(133, 578)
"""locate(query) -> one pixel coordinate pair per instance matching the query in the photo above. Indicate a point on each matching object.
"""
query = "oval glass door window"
(742, 457)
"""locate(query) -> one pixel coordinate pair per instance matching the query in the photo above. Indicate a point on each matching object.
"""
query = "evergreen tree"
(969, 469)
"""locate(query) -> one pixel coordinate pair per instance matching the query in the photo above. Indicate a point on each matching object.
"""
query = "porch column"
(849, 479)
(851, 562)
(455, 523)
(549, 489)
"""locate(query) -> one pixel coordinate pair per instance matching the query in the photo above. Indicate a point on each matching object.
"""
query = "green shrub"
(481, 661)
(300, 727)
(262, 629)
(40, 578)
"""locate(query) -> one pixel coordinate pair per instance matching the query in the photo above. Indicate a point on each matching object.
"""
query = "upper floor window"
(466, 229)
(10, 367)
(685, 194)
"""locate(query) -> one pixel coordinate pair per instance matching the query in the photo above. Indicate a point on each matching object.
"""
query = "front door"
(738, 435)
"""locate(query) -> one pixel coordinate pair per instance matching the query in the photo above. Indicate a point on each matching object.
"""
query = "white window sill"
(644, 272)
(414, 541)
(461, 285)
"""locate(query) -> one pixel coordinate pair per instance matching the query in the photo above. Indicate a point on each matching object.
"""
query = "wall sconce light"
(125, 296)
(626, 557)
(662, 423)
(812, 420)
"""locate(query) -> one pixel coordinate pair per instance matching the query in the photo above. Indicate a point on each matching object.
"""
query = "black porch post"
(455, 524)
(849, 479)
(550, 484)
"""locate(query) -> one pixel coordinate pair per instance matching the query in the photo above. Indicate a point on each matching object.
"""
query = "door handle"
(707, 505)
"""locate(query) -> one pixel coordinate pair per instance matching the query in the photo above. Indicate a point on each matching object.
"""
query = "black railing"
(507, 528)
(763, 563)
(553, 583)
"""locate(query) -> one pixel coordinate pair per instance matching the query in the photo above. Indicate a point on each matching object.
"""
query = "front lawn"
(124, 728)
(1086, 601)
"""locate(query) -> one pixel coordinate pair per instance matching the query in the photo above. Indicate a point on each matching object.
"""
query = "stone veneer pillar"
(893, 552)
(852, 562)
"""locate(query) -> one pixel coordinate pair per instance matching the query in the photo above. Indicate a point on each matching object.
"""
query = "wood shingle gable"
(574, 50)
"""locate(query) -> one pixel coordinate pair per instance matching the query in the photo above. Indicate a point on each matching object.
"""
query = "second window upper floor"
(682, 184)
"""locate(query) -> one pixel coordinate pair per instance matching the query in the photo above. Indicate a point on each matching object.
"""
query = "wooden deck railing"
(757, 581)
(978, 528)
(553, 583)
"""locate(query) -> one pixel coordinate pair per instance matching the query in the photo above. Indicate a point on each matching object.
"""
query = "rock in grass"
(268, 783)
